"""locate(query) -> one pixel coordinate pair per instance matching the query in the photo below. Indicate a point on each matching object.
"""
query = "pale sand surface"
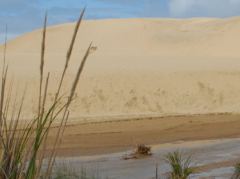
(150, 67)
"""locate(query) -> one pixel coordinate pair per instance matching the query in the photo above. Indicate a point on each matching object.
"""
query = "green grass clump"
(180, 165)
(236, 174)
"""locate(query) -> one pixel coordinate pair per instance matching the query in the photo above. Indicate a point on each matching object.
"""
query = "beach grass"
(23, 145)
(180, 165)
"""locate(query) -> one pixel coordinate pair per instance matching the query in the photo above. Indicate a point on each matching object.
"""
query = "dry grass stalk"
(66, 113)
(42, 63)
(69, 52)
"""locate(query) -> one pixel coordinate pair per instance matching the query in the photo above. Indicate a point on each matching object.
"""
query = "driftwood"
(140, 152)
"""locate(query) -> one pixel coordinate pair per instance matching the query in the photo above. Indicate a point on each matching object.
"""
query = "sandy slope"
(140, 66)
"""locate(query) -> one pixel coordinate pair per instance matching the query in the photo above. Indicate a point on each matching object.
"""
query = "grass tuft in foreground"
(180, 165)
(23, 145)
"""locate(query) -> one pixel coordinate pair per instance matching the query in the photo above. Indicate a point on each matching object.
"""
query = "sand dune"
(139, 66)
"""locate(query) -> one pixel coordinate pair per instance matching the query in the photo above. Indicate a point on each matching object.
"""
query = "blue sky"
(26, 15)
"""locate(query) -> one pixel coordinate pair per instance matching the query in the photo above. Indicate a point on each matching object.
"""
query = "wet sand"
(116, 136)
(210, 158)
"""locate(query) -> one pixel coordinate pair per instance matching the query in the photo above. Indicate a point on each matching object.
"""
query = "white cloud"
(216, 8)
